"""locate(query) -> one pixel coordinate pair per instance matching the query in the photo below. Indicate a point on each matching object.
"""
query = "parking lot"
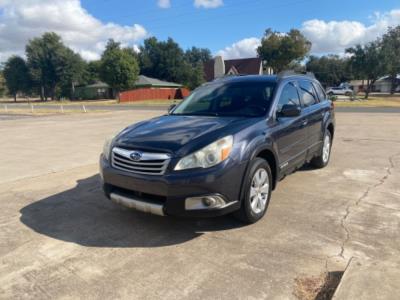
(61, 238)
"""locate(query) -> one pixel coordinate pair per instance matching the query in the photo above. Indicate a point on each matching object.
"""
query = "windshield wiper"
(196, 114)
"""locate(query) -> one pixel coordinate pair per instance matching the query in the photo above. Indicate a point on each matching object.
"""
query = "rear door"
(290, 133)
(314, 114)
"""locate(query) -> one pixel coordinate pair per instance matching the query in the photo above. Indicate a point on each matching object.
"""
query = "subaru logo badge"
(136, 156)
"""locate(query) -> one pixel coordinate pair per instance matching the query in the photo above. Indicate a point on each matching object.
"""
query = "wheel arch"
(270, 156)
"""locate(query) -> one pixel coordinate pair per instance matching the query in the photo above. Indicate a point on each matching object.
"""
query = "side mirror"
(171, 108)
(290, 110)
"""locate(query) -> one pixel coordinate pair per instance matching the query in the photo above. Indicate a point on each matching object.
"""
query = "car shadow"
(83, 215)
(307, 168)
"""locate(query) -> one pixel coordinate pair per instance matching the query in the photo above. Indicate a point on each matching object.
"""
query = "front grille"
(140, 162)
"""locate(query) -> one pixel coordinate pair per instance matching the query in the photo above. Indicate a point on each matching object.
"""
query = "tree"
(162, 60)
(195, 59)
(196, 55)
(194, 75)
(279, 50)
(368, 62)
(391, 49)
(73, 73)
(166, 60)
(331, 70)
(119, 67)
(47, 59)
(93, 71)
(16, 74)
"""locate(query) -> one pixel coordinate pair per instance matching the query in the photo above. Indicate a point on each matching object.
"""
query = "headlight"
(107, 147)
(209, 156)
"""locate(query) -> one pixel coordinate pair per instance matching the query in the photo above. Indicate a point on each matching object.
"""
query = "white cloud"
(23, 20)
(326, 37)
(336, 36)
(164, 3)
(241, 49)
(208, 3)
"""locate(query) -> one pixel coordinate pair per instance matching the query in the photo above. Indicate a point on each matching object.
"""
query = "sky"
(231, 28)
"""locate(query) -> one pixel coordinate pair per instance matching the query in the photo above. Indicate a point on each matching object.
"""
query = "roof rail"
(294, 73)
(229, 76)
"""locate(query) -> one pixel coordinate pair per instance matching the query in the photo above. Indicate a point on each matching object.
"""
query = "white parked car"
(339, 91)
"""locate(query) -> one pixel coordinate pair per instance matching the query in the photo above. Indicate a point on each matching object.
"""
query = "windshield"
(247, 99)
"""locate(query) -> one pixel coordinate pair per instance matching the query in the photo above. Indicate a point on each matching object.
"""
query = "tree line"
(52, 70)
(367, 62)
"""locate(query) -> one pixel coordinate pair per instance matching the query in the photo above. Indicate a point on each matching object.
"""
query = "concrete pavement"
(370, 280)
(60, 237)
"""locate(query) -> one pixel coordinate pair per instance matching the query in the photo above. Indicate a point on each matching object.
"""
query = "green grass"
(373, 101)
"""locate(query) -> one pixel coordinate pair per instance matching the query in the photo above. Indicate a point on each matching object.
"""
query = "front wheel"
(322, 159)
(257, 192)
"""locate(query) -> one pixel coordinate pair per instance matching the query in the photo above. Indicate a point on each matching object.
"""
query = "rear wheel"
(322, 159)
(257, 187)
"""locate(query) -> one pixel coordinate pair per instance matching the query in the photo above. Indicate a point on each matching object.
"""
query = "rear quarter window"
(320, 91)
(307, 93)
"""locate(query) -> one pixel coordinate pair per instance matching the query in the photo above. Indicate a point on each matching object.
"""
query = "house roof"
(246, 66)
(147, 81)
(98, 84)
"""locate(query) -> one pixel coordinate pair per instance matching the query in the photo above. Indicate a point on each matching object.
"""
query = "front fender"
(259, 145)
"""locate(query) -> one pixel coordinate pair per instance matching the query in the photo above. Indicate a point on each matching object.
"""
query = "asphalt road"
(122, 107)
(61, 238)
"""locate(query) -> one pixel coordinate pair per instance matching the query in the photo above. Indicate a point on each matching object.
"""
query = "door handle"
(305, 122)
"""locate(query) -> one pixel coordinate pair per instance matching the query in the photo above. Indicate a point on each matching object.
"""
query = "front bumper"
(166, 194)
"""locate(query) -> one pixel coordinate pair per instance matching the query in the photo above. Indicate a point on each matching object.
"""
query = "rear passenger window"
(320, 92)
(289, 95)
(307, 93)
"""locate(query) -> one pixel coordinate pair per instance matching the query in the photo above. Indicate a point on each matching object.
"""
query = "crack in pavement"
(359, 200)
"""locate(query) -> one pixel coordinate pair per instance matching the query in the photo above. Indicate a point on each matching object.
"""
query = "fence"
(143, 94)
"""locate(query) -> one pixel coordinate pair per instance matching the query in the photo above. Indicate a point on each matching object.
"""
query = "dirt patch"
(320, 287)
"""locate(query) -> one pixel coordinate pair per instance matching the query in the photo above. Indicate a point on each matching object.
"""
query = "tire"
(347, 94)
(330, 94)
(255, 198)
(322, 160)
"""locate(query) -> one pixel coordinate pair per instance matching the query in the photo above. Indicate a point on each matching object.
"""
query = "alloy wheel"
(259, 191)
(326, 150)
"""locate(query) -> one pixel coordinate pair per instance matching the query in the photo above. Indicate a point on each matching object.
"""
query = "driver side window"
(289, 96)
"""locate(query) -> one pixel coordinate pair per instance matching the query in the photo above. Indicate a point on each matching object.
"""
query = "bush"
(333, 98)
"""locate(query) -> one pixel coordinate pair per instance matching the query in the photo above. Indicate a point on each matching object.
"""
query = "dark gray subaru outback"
(223, 149)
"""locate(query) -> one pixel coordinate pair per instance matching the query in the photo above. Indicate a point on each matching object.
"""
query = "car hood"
(172, 134)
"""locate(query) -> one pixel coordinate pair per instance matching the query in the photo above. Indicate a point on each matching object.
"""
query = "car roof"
(246, 78)
(261, 78)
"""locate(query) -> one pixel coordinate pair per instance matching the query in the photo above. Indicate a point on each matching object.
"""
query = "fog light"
(208, 201)
(204, 202)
